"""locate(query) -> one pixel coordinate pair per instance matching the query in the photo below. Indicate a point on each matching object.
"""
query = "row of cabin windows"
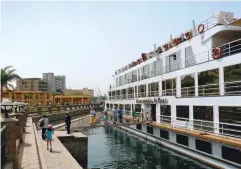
(205, 78)
(228, 153)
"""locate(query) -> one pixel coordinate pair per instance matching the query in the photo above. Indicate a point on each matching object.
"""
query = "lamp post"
(6, 106)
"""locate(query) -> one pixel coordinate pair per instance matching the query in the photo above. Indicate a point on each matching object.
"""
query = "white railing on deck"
(223, 129)
(230, 89)
(206, 56)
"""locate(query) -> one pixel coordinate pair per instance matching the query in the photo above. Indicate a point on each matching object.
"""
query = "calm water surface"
(111, 148)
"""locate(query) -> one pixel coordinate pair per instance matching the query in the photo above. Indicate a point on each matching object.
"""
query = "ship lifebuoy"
(188, 35)
(201, 28)
(217, 53)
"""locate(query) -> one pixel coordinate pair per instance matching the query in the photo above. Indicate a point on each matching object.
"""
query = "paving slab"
(28, 155)
(59, 158)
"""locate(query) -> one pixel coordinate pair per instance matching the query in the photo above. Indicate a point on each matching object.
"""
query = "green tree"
(7, 76)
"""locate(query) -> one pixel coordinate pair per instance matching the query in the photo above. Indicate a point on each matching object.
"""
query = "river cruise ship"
(192, 86)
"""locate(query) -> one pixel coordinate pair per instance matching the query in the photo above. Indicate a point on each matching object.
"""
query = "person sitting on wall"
(68, 122)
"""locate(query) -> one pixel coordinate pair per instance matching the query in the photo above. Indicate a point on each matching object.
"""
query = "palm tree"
(53, 95)
(7, 76)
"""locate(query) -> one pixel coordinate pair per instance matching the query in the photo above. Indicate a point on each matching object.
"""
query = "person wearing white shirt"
(92, 115)
(43, 123)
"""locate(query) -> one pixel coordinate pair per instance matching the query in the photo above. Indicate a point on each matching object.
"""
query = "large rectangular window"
(149, 129)
(232, 79)
(181, 139)
(208, 82)
(139, 126)
(138, 107)
(182, 112)
(231, 154)
(164, 134)
(204, 146)
(188, 85)
(153, 89)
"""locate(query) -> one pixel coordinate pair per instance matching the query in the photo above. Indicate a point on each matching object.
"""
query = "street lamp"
(15, 106)
(6, 106)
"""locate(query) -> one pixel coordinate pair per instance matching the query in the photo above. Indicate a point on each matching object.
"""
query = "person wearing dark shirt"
(120, 114)
(68, 122)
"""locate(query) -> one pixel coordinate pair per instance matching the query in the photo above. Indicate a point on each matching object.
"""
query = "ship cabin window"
(130, 93)
(231, 154)
(153, 69)
(111, 106)
(118, 94)
(145, 72)
(232, 79)
(149, 129)
(164, 134)
(159, 66)
(116, 105)
(230, 115)
(202, 115)
(203, 146)
(188, 85)
(109, 94)
(169, 87)
(113, 95)
(139, 126)
(134, 76)
(181, 139)
(128, 109)
(139, 74)
(189, 57)
(208, 82)
(136, 93)
(153, 89)
(123, 94)
(165, 113)
(107, 106)
(182, 113)
(142, 91)
(137, 108)
(173, 62)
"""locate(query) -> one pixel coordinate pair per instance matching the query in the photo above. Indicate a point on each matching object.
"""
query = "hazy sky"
(88, 41)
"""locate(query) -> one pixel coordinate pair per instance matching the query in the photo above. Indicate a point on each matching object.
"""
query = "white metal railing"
(208, 90)
(153, 93)
(208, 24)
(228, 49)
(223, 129)
(169, 92)
(188, 91)
(230, 88)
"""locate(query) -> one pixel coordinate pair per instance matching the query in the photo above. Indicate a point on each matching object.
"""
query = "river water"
(111, 148)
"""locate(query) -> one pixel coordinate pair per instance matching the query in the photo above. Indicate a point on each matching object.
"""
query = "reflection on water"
(111, 148)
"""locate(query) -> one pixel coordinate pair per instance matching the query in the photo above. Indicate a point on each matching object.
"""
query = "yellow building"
(78, 99)
(30, 97)
(34, 98)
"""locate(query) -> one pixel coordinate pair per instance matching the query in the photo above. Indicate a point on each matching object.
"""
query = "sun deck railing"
(228, 49)
(204, 126)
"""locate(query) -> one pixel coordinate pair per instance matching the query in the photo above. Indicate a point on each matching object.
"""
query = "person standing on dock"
(120, 114)
(92, 115)
(68, 122)
(43, 123)
(142, 115)
(114, 114)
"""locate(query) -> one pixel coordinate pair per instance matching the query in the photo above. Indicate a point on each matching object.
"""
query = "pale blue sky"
(88, 41)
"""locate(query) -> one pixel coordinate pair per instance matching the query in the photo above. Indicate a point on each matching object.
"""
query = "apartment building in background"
(32, 84)
(60, 83)
(49, 77)
(55, 82)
